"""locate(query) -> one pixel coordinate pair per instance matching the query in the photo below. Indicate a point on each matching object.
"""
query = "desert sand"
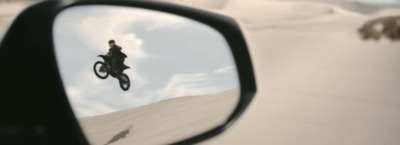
(318, 82)
(163, 122)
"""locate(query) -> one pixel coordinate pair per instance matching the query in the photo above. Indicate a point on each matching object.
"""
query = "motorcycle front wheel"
(100, 70)
(124, 82)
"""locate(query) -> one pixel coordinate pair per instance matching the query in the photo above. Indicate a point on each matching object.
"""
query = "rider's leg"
(120, 65)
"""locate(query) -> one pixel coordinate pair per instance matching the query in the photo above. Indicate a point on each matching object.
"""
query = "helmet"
(111, 41)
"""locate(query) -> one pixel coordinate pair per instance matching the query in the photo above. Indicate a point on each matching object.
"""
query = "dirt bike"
(104, 69)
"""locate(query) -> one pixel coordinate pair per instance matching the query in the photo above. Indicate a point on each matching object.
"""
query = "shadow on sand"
(120, 135)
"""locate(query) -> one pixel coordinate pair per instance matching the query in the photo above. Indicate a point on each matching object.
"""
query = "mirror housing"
(34, 103)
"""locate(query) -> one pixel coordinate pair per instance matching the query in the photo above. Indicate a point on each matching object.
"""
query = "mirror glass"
(138, 76)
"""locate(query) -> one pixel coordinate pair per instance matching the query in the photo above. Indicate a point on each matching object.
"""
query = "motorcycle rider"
(117, 57)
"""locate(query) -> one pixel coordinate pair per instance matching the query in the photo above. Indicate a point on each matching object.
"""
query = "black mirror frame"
(41, 111)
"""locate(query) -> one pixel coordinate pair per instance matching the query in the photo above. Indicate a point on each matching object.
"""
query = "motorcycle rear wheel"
(100, 70)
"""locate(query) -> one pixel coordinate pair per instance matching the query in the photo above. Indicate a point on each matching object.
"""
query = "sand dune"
(162, 122)
(318, 81)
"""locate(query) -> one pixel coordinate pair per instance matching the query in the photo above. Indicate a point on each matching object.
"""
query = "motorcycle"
(104, 69)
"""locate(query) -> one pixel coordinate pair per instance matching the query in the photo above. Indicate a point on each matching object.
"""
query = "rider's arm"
(109, 52)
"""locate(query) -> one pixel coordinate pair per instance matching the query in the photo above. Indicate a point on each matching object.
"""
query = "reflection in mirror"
(181, 79)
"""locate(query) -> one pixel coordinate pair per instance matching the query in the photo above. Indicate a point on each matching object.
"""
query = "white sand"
(318, 83)
(164, 122)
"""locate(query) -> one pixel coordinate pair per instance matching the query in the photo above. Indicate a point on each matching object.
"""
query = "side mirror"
(166, 74)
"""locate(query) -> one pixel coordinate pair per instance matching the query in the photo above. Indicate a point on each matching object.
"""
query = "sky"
(170, 56)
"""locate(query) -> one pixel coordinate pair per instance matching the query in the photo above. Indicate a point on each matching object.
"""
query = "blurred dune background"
(318, 81)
